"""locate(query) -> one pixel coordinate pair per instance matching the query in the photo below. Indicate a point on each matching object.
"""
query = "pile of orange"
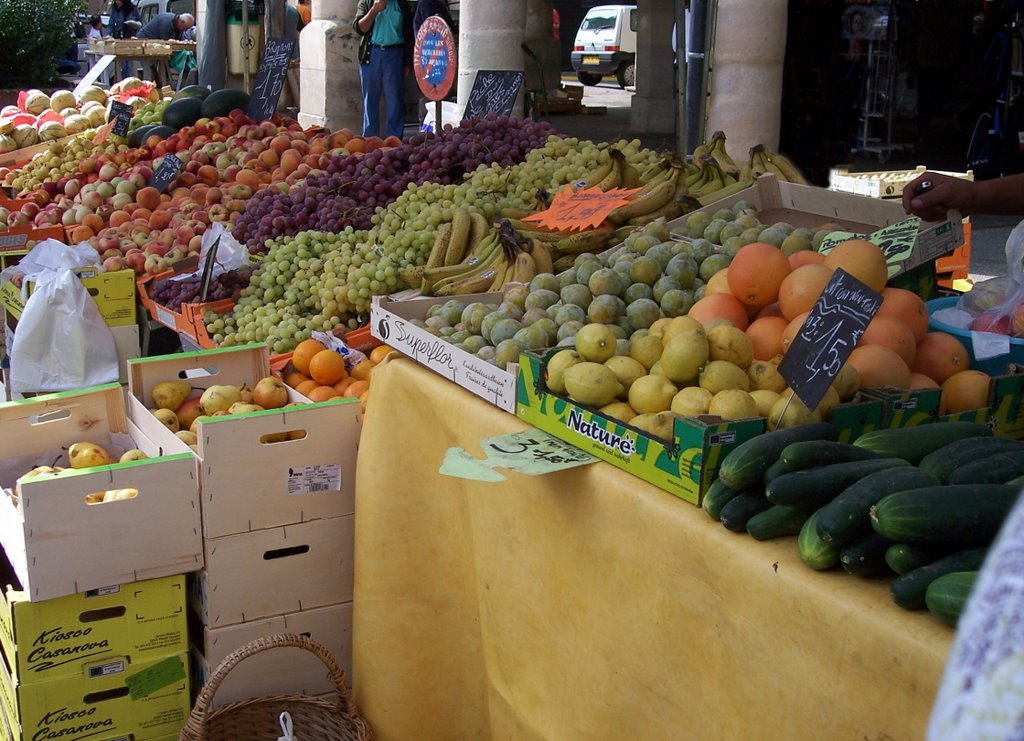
(320, 374)
(769, 295)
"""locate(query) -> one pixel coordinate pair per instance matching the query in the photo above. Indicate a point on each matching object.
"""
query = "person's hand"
(931, 195)
(379, 5)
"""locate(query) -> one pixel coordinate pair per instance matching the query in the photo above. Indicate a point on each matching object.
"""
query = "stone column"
(490, 34)
(746, 83)
(329, 91)
(653, 108)
(539, 30)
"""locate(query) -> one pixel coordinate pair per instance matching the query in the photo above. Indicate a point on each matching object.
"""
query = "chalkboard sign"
(206, 277)
(266, 90)
(493, 91)
(826, 339)
(168, 170)
(120, 116)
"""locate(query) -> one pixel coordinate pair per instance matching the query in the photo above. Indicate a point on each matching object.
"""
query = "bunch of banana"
(531, 258)
(655, 194)
(456, 240)
(715, 146)
(474, 274)
(763, 161)
(609, 175)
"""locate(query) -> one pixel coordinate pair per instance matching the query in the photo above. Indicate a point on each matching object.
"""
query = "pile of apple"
(181, 411)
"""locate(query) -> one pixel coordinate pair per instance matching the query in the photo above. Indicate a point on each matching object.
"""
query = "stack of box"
(93, 622)
(278, 494)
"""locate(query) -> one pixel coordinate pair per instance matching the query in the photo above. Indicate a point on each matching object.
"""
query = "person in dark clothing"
(165, 26)
(427, 8)
(385, 50)
(124, 23)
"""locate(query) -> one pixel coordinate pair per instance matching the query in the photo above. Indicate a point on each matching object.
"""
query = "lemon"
(765, 375)
(677, 325)
(559, 363)
(847, 383)
(645, 349)
(626, 369)
(592, 383)
(653, 393)
(719, 375)
(789, 411)
(691, 401)
(733, 404)
(716, 323)
(727, 342)
(595, 342)
(684, 354)
(659, 424)
(765, 400)
(658, 328)
(619, 410)
(829, 401)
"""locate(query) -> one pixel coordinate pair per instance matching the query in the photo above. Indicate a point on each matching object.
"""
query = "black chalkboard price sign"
(266, 90)
(169, 168)
(831, 332)
(494, 91)
(119, 118)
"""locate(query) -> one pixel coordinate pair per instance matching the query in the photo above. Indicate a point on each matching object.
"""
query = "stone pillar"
(746, 83)
(539, 30)
(329, 91)
(490, 34)
(653, 108)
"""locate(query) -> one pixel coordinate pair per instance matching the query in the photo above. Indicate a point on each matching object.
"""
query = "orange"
(908, 307)
(940, 355)
(720, 306)
(806, 257)
(964, 391)
(322, 393)
(921, 381)
(295, 378)
(341, 385)
(864, 260)
(362, 371)
(892, 333)
(364, 398)
(379, 353)
(356, 389)
(327, 367)
(802, 288)
(756, 272)
(304, 352)
(306, 387)
(769, 310)
(792, 329)
(879, 366)
(766, 335)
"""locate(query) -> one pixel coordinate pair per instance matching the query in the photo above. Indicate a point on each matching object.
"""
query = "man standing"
(167, 26)
(385, 52)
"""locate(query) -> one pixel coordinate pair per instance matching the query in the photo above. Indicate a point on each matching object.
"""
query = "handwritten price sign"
(825, 341)
(573, 210)
(896, 241)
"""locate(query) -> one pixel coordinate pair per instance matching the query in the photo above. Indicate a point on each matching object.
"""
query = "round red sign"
(434, 58)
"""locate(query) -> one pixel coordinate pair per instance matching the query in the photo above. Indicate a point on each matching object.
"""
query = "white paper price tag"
(313, 479)
(165, 317)
(989, 345)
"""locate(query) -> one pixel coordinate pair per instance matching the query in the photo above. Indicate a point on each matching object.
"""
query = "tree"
(33, 35)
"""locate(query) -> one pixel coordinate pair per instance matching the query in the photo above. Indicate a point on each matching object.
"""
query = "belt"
(386, 46)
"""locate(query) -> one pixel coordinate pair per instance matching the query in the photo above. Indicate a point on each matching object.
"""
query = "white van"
(606, 45)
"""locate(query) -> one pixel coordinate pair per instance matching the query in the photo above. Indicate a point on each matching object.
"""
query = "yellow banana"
(789, 170)
(630, 176)
(595, 177)
(525, 268)
(650, 199)
(433, 277)
(563, 263)
(725, 192)
(587, 241)
(541, 256)
(718, 151)
(500, 280)
(478, 228)
(510, 212)
(614, 177)
(461, 223)
(671, 210)
(437, 252)
(463, 282)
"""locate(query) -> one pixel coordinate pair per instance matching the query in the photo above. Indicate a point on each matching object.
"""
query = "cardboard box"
(189, 321)
(881, 184)
(281, 670)
(19, 240)
(144, 702)
(275, 571)
(114, 294)
(246, 482)
(128, 348)
(802, 205)
(57, 542)
(58, 638)
(392, 323)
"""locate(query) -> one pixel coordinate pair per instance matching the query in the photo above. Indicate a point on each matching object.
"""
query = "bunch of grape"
(351, 188)
(174, 293)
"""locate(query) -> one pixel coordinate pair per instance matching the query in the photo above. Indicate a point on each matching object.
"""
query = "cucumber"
(716, 497)
(815, 453)
(743, 467)
(909, 590)
(739, 510)
(865, 556)
(947, 596)
(944, 461)
(774, 471)
(905, 557)
(814, 551)
(778, 522)
(995, 469)
(818, 486)
(846, 517)
(956, 515)
(1019, 481)
(912, 444)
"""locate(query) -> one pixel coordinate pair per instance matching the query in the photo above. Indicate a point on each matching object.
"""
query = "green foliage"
(33, 34)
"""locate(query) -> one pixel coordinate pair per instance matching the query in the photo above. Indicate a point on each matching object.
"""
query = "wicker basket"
(257, 719)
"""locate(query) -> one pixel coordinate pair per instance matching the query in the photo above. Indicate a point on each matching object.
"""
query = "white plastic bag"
(61, 342)
(230, 254)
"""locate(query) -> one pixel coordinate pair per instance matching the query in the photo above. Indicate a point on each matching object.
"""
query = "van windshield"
(598, 22)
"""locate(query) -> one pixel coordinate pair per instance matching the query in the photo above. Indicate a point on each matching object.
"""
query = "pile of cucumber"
(923, 503)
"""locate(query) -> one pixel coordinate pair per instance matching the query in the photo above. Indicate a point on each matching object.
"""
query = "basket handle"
(281, 640)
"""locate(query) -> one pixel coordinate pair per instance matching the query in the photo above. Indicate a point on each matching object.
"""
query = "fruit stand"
(658, 357)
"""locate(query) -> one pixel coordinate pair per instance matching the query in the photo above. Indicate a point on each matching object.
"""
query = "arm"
(365, 24)
(1003, 195)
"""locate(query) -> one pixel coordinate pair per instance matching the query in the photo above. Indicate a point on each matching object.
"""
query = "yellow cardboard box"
(56, 638)
(142, 702)
(114, 294)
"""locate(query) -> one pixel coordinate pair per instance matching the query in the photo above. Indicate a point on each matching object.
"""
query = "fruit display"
(39, 117)
(172, 293)
(319, 373)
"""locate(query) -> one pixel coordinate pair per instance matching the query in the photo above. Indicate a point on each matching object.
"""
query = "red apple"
(991, 323)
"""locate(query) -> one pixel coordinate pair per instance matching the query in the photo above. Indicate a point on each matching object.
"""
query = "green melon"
(192, 91)
(162, 131)
(222, 102)
(182, 112)
(138, 137)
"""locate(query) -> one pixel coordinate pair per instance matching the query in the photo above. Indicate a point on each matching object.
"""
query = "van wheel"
(588, 78)
(626, 74)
